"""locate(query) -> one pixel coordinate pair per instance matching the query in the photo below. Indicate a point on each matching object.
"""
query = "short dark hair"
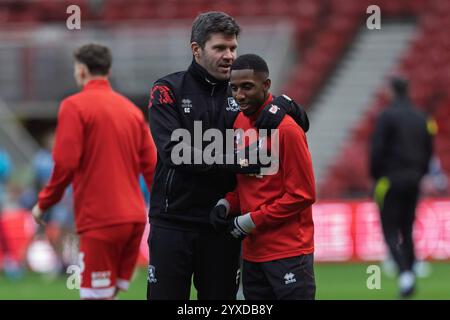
(400, 86)
(252, 62)
(96, 57)
(213, 22)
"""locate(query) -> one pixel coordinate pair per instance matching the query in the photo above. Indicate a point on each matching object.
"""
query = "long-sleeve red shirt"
(102, 145)
(279, 204)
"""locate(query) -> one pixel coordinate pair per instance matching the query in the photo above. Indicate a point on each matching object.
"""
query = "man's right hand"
(218, 218)
(270, 117)
(38, 215)
(243, 161)
(243, 168)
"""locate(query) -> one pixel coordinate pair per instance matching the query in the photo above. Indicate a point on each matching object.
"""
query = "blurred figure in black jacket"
(400, 153)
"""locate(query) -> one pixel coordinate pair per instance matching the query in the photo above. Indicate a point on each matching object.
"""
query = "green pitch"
(334, 281)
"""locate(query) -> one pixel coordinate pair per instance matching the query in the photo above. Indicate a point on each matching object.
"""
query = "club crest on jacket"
(232, 105)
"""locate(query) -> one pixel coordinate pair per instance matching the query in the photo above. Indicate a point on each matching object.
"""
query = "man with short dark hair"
(400, 153)
(102, 145)
(276, 225)
(96, 58)
(182, 243)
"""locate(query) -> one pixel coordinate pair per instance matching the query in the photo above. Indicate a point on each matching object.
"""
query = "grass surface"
(334, 281)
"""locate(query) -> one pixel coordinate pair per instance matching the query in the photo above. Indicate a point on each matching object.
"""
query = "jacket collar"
(254, 117)
(401, 102)
(204, 78)
(97, 84)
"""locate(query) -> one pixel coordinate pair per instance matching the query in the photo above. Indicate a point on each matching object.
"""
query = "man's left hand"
(218, 218)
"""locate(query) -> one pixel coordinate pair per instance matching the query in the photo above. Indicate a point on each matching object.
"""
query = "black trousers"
(397, 220)
(284, 279)
(177, 256)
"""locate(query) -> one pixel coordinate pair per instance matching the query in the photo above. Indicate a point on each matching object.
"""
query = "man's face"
(217, 55)
(249, 89)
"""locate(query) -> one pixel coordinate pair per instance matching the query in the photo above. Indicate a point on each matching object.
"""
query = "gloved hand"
(218, 218)
(243, 161)
(241, 226)
(299, 115)
(272, 114)
(243, 168)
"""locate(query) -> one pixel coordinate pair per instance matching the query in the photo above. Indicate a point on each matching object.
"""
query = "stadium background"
(320, 52)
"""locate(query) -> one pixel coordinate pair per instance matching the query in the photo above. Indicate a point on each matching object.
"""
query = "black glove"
(235, 229)
(243, 168)
(218, 218)
(241, 161)
(271, 116)
(299, 115)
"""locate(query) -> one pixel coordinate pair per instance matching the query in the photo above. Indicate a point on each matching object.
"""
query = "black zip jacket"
(183, 194)
(401, 143)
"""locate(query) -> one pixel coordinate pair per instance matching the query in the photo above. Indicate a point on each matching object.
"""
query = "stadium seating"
(426, 65)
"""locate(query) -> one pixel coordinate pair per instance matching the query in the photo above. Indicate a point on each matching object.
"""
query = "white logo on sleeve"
(151, 277)
(274, 109)
(289, 278)
(186, 104)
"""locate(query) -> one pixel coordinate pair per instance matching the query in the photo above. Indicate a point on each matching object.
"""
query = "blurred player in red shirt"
(102, 145)
(276, 222)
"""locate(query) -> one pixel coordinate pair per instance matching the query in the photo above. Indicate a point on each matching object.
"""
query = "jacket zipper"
(212, 112)
(168, 186)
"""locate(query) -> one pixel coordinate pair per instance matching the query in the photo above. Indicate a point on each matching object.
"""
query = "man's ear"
(266, 84)
(195, 48)
(84, 71)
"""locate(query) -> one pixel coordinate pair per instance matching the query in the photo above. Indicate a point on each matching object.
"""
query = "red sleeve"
(233, 199)
(66, 155)
(147, 156)
(298, 179)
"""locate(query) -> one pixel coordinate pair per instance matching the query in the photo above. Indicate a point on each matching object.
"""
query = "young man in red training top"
(276, 222)
(102, 145)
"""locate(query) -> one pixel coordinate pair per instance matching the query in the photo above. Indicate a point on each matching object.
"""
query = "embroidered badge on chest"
(186, 104)
(232, 105)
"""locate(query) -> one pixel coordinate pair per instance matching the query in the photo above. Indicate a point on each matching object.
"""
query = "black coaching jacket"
(183, 194)
(402, 143)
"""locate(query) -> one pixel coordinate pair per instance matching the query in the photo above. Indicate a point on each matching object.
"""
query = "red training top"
(280, 204)
(102, 145)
